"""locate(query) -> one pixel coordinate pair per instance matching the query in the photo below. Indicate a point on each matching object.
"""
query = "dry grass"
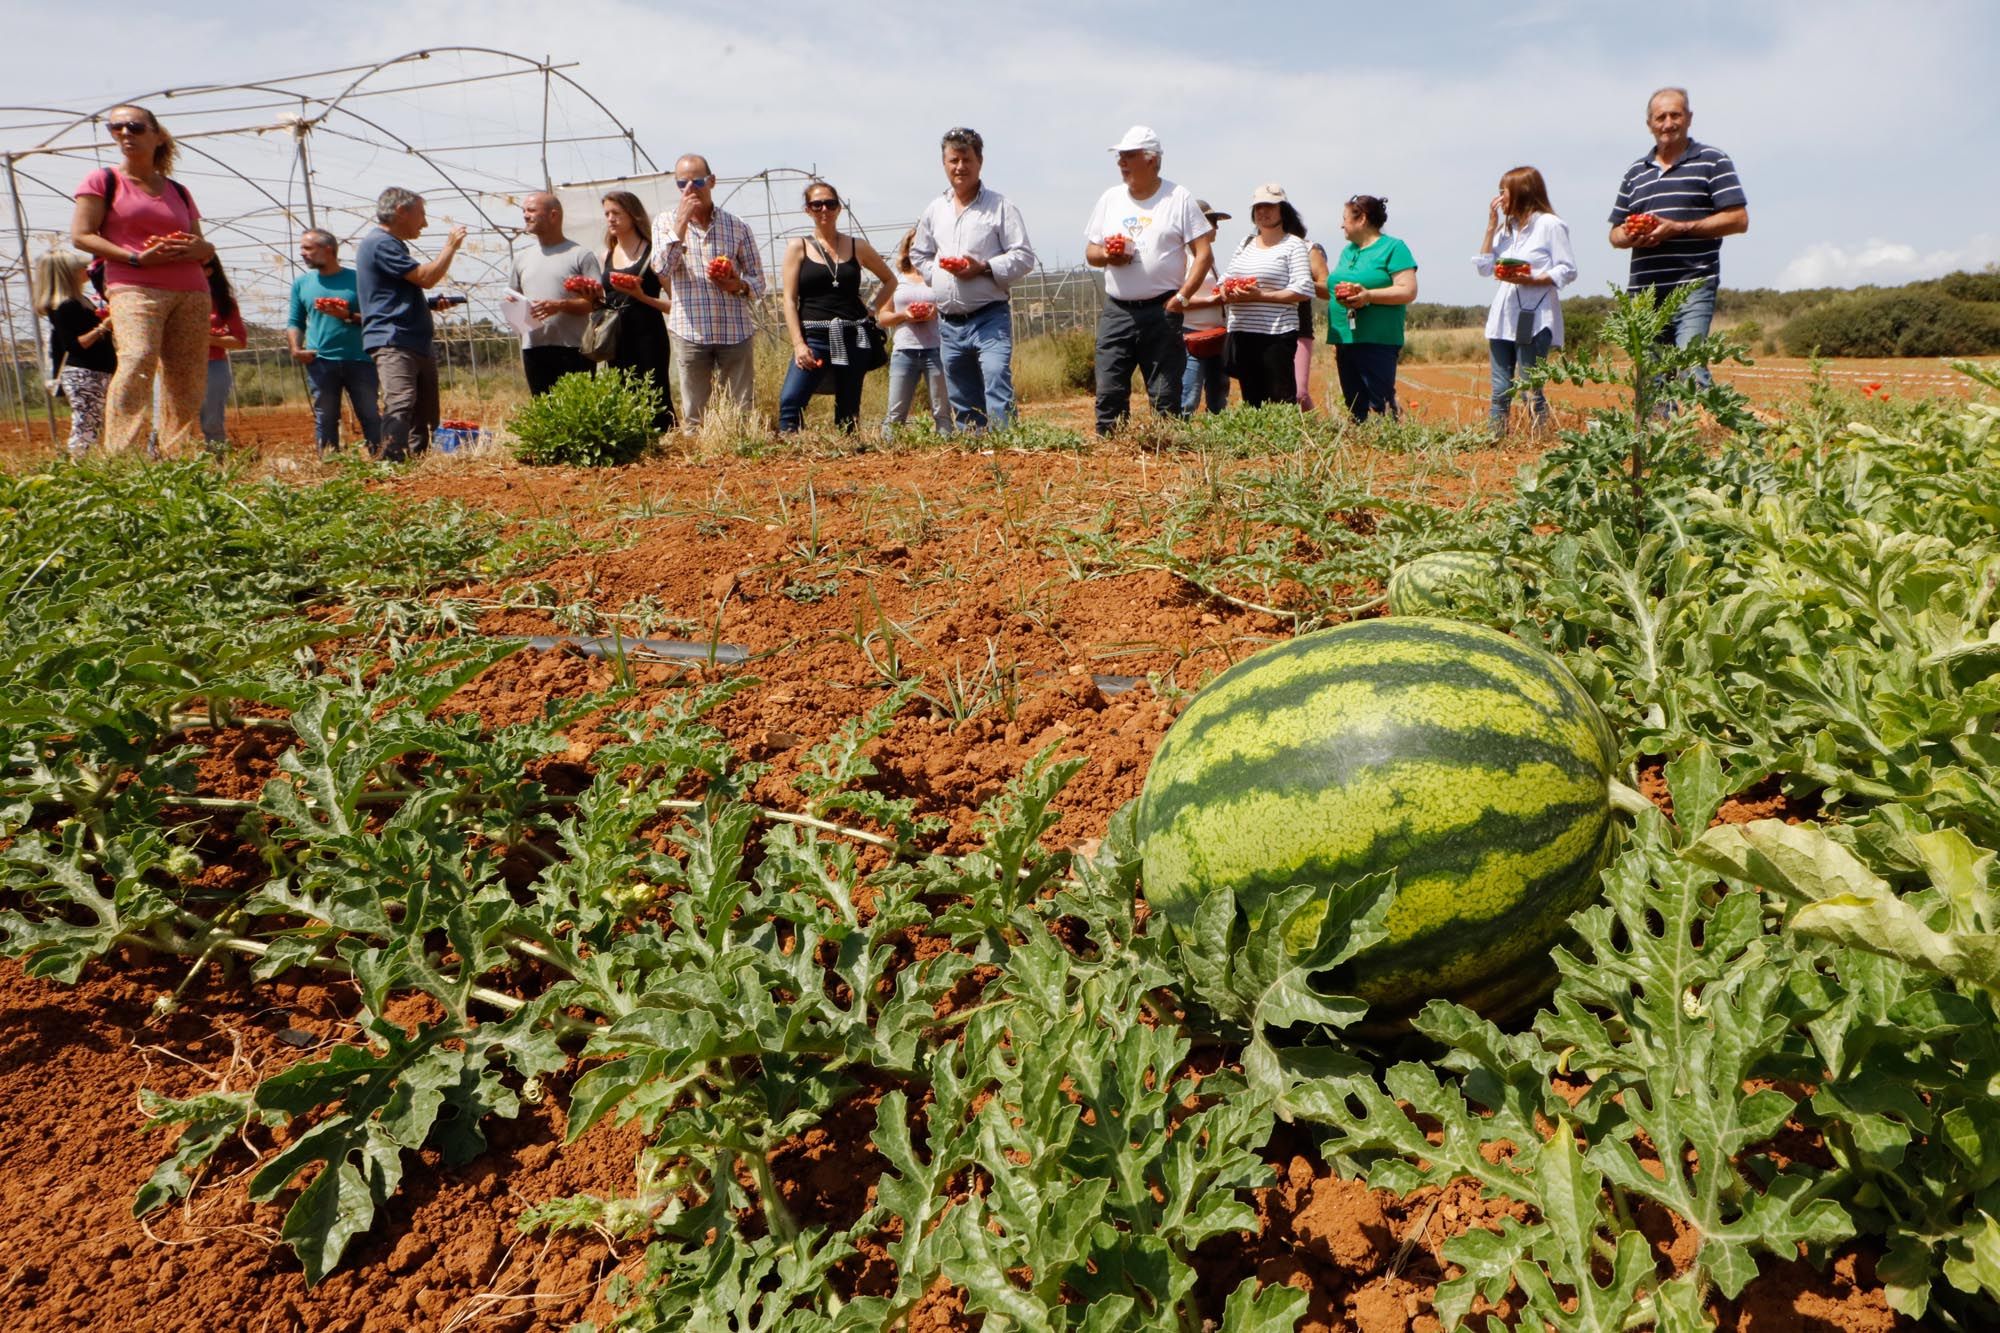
(1445, 346)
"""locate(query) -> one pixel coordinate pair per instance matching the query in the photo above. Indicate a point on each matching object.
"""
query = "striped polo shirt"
(1704, 181)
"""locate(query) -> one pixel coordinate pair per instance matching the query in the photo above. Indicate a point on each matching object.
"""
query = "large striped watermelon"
(1472, 764)
(1441, 582)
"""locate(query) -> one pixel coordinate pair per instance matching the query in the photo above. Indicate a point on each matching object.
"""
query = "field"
(788, 970)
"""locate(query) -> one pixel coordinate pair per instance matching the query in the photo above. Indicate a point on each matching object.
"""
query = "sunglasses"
(691, 183)
(824, 205)
(127, 126)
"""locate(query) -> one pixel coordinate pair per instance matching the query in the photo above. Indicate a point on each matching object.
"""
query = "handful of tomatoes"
(923, 310)
(1117, 247)
(954, 264)
(1235, 286)
(578, 284)
(1641, 224)
(626, 282)
(721, 269)
(332, 305)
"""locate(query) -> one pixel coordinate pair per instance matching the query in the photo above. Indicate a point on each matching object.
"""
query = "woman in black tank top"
(824, 312)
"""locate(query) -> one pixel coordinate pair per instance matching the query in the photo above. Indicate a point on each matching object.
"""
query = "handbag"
(601, 328)
(871, 349)
(1206, 343)
(600, 335)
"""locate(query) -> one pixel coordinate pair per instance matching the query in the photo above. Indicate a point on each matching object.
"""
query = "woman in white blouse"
(1526, 249)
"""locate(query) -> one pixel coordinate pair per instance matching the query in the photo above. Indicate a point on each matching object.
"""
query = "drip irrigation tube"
(683, 650)
(611, 645)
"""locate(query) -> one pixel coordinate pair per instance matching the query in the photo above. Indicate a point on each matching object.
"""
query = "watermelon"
(1448, 583)
(1470, 763)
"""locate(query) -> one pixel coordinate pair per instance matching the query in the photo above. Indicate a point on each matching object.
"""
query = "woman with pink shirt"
(145, 227)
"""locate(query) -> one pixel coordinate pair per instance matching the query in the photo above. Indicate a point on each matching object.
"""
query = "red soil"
(952, 547)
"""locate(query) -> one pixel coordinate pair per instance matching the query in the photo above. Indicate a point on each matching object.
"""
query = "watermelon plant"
(1774, 1041)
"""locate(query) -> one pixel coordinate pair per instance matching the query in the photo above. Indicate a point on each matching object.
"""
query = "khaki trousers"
(163, 334)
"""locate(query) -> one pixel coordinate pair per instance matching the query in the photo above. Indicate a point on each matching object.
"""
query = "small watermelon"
(1448, 583)
(1470, 763)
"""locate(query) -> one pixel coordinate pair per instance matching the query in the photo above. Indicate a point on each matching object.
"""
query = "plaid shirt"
(703, 313)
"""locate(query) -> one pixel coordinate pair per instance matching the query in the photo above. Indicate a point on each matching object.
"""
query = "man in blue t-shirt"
(324, 329)
(1692, 192)
(396, 318)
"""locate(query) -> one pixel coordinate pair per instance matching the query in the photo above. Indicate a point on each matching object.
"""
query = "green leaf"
(1696, 784)
(1276, 1308)
(209, 1121)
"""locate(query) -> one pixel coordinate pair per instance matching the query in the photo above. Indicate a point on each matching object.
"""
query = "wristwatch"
(132, 258)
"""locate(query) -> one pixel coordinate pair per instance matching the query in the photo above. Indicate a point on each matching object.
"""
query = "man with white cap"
(1153, 242)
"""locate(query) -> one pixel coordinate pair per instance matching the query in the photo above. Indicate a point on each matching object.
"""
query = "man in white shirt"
(972, 246)
(1154, 244)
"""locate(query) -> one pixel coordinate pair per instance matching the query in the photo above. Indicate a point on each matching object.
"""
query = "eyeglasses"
(691, 183)
(1359, 199)
(823, 205)
(961, 137)
(127, 126)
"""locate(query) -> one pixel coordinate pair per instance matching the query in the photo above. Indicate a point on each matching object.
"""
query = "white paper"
(514, 308)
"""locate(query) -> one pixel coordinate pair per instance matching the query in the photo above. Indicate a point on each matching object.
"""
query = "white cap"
(1138, 139)
(1269, 193)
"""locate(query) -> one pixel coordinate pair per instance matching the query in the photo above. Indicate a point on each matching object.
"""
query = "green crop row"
(1070, 1106)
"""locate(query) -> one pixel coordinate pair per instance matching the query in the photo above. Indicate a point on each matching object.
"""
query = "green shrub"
(1582, 331)
(1077, 350)
(588, 420)
(1984, 286)
(1895, 323)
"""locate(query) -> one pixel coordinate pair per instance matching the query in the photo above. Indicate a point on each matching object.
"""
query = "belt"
(971, 314)
(1161, 299)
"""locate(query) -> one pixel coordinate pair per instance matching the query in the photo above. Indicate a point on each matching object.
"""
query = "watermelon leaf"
(1276, 1308)
(1693, 993)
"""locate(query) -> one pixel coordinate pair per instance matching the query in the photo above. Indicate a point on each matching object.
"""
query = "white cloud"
(1883, 263)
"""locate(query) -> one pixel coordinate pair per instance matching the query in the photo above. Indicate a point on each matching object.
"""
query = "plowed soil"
(820, 569)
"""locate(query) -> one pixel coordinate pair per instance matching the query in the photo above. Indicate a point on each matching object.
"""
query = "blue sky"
(1864, 131)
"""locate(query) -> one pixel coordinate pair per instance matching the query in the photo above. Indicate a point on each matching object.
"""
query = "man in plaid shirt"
(712, 320)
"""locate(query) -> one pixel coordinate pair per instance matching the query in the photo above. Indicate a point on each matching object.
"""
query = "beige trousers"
(165, 334)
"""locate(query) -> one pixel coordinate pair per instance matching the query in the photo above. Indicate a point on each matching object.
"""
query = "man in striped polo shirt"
(1692, 190)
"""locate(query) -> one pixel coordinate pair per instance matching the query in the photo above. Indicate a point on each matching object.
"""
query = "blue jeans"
(1691, 321)
(362, 384)
(1512, 358)
(1205, 377)
(979, 366)
(907, 365)
(800, 385)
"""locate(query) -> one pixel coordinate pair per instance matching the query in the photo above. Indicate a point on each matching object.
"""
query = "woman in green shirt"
(1374, 279)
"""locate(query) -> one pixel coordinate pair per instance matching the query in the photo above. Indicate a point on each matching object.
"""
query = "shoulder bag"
(600, 333)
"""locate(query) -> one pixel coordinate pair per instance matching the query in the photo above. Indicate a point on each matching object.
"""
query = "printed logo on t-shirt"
(1135, 223)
